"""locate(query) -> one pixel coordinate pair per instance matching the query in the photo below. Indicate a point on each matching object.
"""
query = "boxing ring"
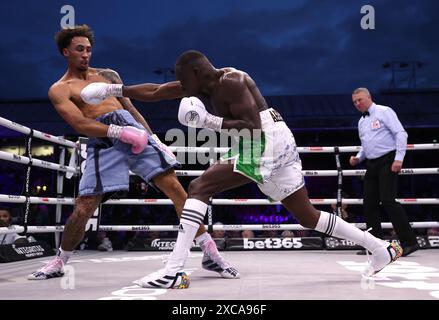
(265, 274)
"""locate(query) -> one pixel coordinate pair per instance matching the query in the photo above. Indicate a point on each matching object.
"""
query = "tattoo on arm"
(114, 78)
(110, 75)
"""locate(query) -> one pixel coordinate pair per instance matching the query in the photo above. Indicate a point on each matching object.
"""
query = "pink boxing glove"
(136, 137)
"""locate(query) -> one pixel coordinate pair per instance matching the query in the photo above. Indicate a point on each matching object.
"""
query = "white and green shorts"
(269, 159)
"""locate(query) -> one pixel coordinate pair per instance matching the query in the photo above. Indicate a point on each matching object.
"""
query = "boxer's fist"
(136, 137)
(96, 92)
(192, 113)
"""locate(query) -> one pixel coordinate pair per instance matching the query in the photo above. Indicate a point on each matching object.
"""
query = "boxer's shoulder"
(232, 74)
(59, 88)
(232, 82)
(232, 77)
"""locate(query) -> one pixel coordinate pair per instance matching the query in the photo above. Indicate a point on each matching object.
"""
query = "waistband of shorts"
(108, 114)
(269, 117)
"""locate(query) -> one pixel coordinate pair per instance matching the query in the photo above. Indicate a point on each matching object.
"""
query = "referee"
(383, 145)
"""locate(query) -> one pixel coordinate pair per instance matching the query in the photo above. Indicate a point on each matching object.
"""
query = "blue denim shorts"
(109, 160)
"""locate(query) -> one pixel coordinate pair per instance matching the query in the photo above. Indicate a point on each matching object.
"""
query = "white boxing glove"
(97, 92)
(192, 113)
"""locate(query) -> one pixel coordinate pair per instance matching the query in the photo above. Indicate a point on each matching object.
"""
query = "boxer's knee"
(199, 190)
(177, 191)
(177, 194)
(168, 183)
(82, 213)
(85, 207)
(194, 187)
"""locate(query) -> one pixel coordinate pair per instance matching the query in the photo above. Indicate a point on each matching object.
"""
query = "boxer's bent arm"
(242, 106)
(154, 92)
(114, 78)
(59, 95)
(236, 124)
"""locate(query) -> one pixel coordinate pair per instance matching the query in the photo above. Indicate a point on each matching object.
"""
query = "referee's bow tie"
(365, 114)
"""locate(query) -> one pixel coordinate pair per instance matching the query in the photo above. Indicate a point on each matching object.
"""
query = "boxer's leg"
(168, 183)
(212, 260)
(382, 252)
(74, 228)
(217, 178)
(74, 231)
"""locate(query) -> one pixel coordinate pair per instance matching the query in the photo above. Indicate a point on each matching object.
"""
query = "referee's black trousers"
(380, 185)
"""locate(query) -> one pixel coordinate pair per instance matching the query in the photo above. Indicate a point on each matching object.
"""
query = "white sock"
(64, 255)
(334, 226)
(193, 215)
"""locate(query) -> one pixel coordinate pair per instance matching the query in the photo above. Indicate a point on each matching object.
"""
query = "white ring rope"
(425, 146)
(255, 227)
(70, 201)
(196, 173)
(36, 162)
(323, 173)
(193, 173)
(230, 227)
(37, 134)
(45, 136)
(262, 201)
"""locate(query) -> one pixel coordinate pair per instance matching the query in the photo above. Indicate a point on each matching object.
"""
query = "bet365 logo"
(273, 243)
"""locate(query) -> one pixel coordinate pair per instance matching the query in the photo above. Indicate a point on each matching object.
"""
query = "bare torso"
(76, 85)
(220, 98)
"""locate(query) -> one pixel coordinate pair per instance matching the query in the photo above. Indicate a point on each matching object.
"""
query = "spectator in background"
(270, 234)
(344, 212)
(104, 243)
(218, 233)
(302, 233)
(6, 221)
(345, 215)
(433, 232)
(287, 234)
(154, 235)
(234, 234)
(383, 144)
(247, 234)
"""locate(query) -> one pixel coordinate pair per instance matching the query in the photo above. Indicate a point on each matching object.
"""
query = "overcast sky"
(289, 47)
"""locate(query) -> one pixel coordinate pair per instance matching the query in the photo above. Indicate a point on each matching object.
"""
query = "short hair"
(361, 89)
(64, 37)
(3, 208)
(189, 57)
